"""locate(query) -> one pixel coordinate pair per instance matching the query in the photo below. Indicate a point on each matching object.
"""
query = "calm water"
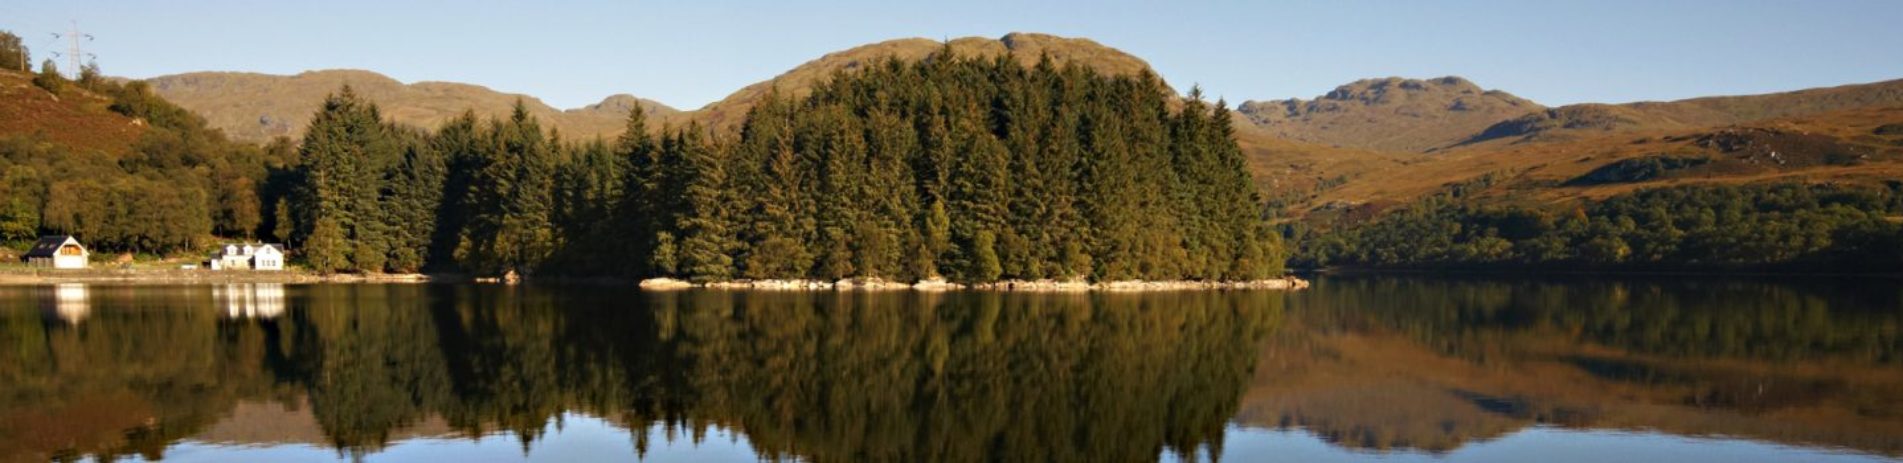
(1367, 368)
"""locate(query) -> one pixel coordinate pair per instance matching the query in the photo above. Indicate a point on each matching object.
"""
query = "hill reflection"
(1379, 364)
(821, 377)
(1438, 363)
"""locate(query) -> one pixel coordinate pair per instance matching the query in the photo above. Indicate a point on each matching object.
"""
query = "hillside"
(1840, 146)
(1373, 142)
(1027, 48)
(257, 107)
(1586, 119)
(75, 118)
(1391, 114)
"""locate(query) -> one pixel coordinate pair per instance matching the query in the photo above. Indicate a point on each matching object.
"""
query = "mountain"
(256, 107)
(1026, 48)
(1582, 119)
(1391, 114)
(1396, 140)
(1362, 147)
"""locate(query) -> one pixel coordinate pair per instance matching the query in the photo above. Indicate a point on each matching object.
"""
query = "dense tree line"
(972, 170)
(1840, 227)
(178, 183)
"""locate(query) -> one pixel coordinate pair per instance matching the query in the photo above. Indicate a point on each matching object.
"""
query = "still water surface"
(1357, 368)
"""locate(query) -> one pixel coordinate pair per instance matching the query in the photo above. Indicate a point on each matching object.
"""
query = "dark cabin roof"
(48, 246)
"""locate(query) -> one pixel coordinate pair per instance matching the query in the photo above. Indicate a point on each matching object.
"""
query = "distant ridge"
(1391, 114)
(1581, 119)
(256, 107)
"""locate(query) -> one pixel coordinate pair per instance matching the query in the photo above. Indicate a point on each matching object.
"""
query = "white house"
(247, 256)
(61, 251)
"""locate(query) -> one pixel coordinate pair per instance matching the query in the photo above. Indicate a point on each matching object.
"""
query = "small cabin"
(247, 256)
(63, 252)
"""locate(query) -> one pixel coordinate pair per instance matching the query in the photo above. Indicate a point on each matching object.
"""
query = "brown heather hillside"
(1845, 146)
(1592, 150)
(256, 107)
(1582, 120)
(1391, 114)
(75, 118)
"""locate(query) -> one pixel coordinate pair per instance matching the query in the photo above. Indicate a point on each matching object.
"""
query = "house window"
(70, 250)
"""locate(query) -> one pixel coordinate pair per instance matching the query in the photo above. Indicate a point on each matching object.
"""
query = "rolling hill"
(1391, 114)
(1585, 119)
(1362, 146)
(257, 107)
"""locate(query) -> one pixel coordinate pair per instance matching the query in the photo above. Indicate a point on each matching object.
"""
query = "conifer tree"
(707, 224)
(344, 149)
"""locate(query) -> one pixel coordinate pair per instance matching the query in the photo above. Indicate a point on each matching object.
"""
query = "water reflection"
(66, 302)
(254, 300)
(1437, 364)
(820, 377)
(1359, 367)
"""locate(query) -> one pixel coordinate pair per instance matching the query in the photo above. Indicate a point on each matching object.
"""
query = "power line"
(74, 52)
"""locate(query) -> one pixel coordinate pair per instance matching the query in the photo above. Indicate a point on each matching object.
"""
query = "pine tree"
(414, 197)
(343, 150)
(637, 214)
(771, 174)
(707, 227)
(511, 203)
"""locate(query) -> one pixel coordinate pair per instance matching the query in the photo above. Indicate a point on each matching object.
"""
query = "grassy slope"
(75, 118)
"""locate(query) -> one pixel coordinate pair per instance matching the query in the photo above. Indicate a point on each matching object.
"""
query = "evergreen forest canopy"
(973, 170)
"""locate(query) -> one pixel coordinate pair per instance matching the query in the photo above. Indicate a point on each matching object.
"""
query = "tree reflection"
(815, 376)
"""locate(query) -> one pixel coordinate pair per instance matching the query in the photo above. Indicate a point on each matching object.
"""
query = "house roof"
(255, 248)
(49, 245)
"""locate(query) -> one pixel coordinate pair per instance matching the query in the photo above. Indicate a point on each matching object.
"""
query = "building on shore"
(247, 256)
(60, 251)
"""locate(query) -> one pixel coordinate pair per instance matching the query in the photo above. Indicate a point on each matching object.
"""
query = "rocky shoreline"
(1051, 286)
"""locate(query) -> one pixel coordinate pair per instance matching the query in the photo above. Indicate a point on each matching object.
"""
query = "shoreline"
(1288, 283)
(38, 276)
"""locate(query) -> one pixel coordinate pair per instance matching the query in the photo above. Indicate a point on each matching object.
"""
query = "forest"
(965, 169)
(1710, 227)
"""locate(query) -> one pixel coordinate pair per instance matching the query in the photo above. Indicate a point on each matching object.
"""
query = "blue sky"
(689, 53)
